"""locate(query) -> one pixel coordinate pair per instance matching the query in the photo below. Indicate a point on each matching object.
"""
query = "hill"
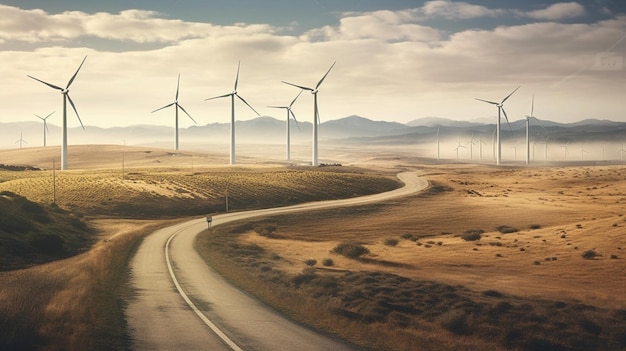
(31, 233)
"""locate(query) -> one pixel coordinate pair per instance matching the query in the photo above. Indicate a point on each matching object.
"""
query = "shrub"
(472, 234)
(409, 236)
(589, 254)
(391, 242)
(328, 262)
(535, 226)
(266, 230)
(505, 229)
(310, 262)
(454, 321)
(351, 249)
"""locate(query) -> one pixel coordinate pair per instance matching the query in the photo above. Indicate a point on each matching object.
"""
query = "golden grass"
(576, 209)
(76, 303)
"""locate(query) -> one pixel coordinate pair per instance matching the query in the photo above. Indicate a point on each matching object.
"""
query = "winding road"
(181, 303)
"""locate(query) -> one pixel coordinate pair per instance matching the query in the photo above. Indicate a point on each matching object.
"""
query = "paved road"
(183, 304)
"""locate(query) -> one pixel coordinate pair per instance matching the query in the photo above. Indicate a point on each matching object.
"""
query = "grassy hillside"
(31, 233)
(157, 193)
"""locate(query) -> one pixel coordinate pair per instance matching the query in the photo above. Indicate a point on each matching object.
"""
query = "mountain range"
(352, 130)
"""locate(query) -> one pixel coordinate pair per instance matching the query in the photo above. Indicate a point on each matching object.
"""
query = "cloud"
(457, 10)
(558, 11)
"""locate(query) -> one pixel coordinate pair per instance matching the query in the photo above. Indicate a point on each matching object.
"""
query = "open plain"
(510, 257)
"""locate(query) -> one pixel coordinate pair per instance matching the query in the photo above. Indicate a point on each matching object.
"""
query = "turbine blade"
(298, 86)
(48, 84)
(296, 98)
(532, 105)
(74, 76)
(188, 115)
(75, 111)
(177, 86)
(245, 102)
(487, 101)
(278, 107)
(538, 121)
(294, 118)
(324, 77)
(217, 97)
(508, 96)
(45, 125)
(507, 119)
(50, 114)
(160, 108)
(237, 78)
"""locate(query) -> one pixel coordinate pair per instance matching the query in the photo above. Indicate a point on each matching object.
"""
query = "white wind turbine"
(565, 149)
(528, 118)
(232, 113)
(45, 126)
(437, 143)
(457, 149)
(66, 97)
(288, 133)
(621, 153)
(582, 153)
(500, 106)
(176, 107)
(316, 115)
(21, 141)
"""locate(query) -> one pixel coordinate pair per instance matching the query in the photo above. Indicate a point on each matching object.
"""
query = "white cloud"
(457, 10)
(389, 66)
(559, 11)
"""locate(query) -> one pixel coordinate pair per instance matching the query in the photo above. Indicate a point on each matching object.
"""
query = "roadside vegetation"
(76, 300)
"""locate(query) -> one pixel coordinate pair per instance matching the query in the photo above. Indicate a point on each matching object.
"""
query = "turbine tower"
(232, 113)
(45, 126)
(500, 106)
(288, 133)
(316, 115)
(177, 106)
(528, 118)
(66, 97)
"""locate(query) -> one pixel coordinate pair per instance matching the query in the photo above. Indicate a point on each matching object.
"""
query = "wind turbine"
(621, 153)
(437, 143)
(582, 153)
(316, 115)
(45, 126)
(457, 149)
(66, 97)
(289, 112)
(232, 113)
(500, 106)
(480, 147)
(471, 143)
(177, 106)
(21, 141)
(565, 149)
(528, 118)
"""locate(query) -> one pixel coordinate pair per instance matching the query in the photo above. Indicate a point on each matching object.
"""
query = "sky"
(395, 60)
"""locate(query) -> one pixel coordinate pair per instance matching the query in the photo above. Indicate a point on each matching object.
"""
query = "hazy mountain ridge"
(352, 129)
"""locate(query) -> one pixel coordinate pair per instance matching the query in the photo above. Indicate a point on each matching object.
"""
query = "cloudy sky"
(396, 60)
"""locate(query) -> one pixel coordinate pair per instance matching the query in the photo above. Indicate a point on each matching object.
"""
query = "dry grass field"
(546, 274)
(546, 271)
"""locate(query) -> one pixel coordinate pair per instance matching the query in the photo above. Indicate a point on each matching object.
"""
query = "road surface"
(183, 304)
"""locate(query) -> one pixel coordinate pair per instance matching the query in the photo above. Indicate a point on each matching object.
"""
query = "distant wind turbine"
(480, 148)
(457, 149)
(621, 153)
(316, 115)
(232, 113)
(582, 153)
(565, 149)
(289, 113)
(471, 144)
(21, 141)
(602, 147)
(177, 106)
(500, 106)
(66, 97)
(528, 118)
(437, 143)
(45, 126)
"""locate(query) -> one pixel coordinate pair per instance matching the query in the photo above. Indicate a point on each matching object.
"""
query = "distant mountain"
(352, 129)
(360, 126)
(444, 122)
